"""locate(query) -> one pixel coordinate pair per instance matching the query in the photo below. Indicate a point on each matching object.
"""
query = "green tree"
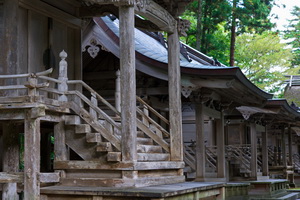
(264, 59)
(293, 34)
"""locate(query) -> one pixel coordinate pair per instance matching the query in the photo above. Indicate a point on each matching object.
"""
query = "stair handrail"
(210, 156)
(152, 110)
(99, 97)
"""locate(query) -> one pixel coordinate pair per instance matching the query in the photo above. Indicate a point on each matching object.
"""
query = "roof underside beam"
(149, 10)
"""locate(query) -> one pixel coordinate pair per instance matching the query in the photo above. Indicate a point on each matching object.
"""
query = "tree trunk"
(233, 33)
(199, 25)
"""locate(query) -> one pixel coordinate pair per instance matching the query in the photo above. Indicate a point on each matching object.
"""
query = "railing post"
(94, 101)
(118, 92)
(63, 76)
(32, 83)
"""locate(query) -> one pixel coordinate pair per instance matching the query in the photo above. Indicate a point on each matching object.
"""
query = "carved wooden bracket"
(183, 26)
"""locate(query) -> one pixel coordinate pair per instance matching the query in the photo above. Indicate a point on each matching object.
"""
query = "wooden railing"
(296, 159)
(241, 154)
(190, 155)
(211, 156)
(83, 100)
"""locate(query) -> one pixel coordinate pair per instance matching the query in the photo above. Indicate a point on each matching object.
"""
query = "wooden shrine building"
(106, 108)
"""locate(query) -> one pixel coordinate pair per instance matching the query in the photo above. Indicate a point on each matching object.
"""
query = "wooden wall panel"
(37, 41)
(22, 41)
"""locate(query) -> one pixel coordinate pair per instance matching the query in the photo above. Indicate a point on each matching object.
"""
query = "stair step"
(93, 137)
(146, 141)
(72, 120)
(82, 128)
(153, 156)
(114, 156)
(104, 147)
(149, 148)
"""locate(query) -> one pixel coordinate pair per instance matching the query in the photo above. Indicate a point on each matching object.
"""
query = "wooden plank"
(11, 177)
(158, 165)
(49, 177)
(265, 157)
(52, 12)
(82, 128)
(175, 115)
(31, 157)
(153, 157)
(91, 165)
(114, 156)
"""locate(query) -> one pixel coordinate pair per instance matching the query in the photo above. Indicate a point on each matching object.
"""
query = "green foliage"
(264, 59)
(293, 34)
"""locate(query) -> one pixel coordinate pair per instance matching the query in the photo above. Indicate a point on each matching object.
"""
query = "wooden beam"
(31, 157)
(128, 83)
(265, 157)
(49, 177)
(6, 177)
(156, 14)
(174, 83)
(211, 112)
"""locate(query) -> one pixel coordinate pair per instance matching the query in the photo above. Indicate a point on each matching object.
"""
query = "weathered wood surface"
(49, 177)
(11, 160)
(253, 161)
(221, 160)
(128, 83)
(31, 157)
(175, 117)
(200, 146)
(265, 157)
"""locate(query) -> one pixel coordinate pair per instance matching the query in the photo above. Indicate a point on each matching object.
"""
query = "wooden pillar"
(60, 148)
(200, 144)
(220, 147)
(265, 157)
(253, 164)
(31, 157)
(174, 76)
(290, 146)
(283, 147)
(10, 158)
(128, 83)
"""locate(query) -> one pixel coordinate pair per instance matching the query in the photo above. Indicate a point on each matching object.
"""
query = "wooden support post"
(128, 83)
(31, 157)
(94, 101)
(290, 146)
(265, 157)
(200, 145)
(283, 147)
(118, 92)
(63, 76)
(253, 165)
(10, 158)
(221, 161)
(60, 148)
(174, 76)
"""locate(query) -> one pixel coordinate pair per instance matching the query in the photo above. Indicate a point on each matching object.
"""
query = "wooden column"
(176, 145)
(31, 157)
(200, 145)
(220, 147)
(283, 147)
(60, 148)
(253, 164)
(128, 83)
(10, 158)
(265, 157)
(118, 92)
(290, 146)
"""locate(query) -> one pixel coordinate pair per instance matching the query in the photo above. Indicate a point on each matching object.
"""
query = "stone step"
(153, 157)
(149, 148)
